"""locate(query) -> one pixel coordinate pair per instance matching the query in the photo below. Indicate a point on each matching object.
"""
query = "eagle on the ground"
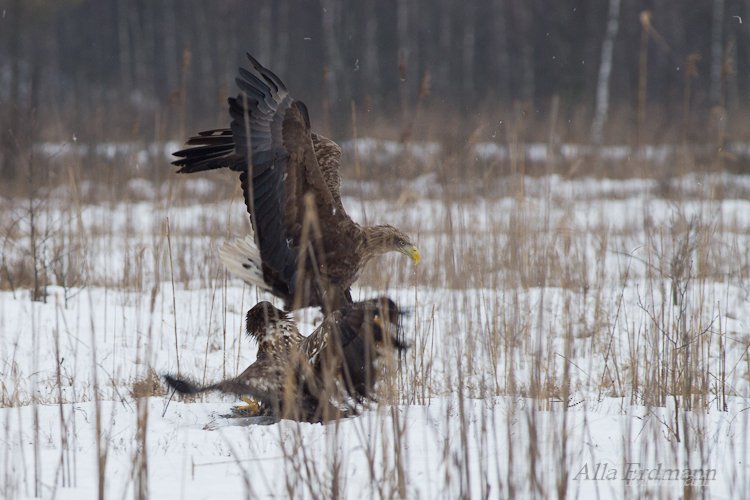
(318, 377)
(311, 251)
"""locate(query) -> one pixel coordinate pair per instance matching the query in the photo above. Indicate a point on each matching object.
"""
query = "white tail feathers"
(242, 258)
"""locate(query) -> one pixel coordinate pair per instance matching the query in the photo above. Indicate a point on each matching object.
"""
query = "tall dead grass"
(524, 303)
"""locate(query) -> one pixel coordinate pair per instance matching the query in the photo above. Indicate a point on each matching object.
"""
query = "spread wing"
(377, 323)
(348, 343)
(273, 131)
(281, 161)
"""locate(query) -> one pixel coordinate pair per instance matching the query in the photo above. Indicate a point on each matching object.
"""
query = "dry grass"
(530, 299)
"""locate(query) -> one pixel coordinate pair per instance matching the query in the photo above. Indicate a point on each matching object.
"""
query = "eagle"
(314, 378)
(305, 248)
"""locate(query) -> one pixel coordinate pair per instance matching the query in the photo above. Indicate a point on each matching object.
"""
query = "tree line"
(120, 69)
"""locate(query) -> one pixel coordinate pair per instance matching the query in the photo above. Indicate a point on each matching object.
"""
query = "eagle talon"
(251, 407)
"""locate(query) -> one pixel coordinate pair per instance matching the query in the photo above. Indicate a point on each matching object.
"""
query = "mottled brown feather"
(328, 154)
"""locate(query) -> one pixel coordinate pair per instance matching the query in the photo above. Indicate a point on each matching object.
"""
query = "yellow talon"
(251, 407)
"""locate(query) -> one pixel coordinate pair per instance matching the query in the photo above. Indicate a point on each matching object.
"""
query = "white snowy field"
(570, 338)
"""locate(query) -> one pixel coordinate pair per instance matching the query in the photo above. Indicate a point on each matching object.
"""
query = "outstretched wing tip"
(266, 73)
(252, 60)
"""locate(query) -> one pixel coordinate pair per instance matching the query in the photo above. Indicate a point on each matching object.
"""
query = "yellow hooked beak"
(413, 253)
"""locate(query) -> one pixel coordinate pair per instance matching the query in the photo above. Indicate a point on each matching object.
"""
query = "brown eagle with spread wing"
(313, 378)
(310, 250)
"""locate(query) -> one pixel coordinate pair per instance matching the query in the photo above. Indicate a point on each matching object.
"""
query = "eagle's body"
(311, 378)
(310, 250)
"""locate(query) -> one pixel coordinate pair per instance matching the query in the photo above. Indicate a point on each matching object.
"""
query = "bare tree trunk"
(717, 51)
(205, 63)
(645, 19)
(167, 48)
(371, 63)
(502, 58)
(468, 50)
(404, 52)
(264, 42)
(445, 41)
(527, 51)
(11, 118)
(605, 70)
(732, 97)
(281, 43)
(123, 42)
(334, 68)
(146, 48)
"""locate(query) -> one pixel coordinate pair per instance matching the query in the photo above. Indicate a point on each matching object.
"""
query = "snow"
(109, 150)
(387, 151)
(193, 453)
(576, 280)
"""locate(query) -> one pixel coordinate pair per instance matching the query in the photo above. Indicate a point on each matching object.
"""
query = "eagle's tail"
(209, 150)
(242, 258)
(184, 386)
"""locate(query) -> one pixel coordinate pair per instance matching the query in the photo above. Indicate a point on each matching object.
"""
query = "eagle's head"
(386, 238)
(273, 329)
(265, 320)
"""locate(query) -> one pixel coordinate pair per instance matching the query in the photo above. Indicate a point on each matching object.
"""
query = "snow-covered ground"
(573, 338)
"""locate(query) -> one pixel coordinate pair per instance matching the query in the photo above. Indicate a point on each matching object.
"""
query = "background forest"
(592, 71)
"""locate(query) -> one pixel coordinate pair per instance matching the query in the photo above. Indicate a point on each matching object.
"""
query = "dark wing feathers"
(214, 132)
(278, 261)
(270, 137)
(256, 92)
(267, 74)
(350, 339)
(261, 108)
(371, 327)
(211, 149)
(219, 136)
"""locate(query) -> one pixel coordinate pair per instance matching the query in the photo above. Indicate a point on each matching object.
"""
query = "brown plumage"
(311, 251)
(313, 378)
